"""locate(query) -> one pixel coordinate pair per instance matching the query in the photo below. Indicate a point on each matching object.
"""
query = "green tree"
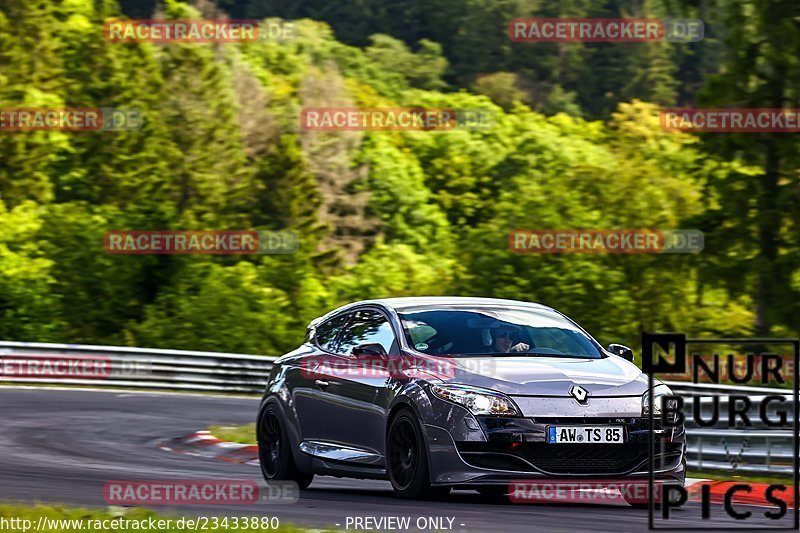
(755, 224)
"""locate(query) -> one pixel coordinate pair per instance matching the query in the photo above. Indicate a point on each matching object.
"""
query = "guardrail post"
(766, 440)
(699, 453)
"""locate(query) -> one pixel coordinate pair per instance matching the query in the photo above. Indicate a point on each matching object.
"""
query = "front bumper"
(497, 450)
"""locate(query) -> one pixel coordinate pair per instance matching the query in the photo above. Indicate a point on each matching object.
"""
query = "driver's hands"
(519, 347)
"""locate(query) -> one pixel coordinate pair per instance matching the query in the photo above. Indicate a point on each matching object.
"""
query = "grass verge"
(747, 478)
(242, 434)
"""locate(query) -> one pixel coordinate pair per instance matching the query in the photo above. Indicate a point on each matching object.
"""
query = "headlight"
(478, 401)
(659, 392)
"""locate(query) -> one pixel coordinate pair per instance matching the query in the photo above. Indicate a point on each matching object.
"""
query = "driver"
(505, 340)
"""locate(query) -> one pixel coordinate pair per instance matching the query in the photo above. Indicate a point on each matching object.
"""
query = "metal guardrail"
(759, 449)
(144, 368)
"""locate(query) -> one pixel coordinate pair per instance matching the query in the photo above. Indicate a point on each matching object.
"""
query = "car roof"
(399, 304)
(419, 301)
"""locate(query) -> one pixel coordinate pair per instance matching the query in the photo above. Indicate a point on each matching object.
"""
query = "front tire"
(407, 460)
(274, 451)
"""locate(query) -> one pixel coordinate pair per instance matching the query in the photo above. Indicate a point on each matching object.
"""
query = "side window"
(367, 327)
(326, 332)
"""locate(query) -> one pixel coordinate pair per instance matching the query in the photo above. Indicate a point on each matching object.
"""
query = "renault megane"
(434, 393)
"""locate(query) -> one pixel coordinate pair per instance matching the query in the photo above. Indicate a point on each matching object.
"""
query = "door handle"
(322, 383)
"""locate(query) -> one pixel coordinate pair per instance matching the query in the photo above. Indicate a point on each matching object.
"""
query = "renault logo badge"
(579, 393)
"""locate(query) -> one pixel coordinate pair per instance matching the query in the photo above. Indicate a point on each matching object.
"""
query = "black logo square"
(664, 341)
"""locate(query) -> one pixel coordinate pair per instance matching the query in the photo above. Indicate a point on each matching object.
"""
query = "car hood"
(548, 376)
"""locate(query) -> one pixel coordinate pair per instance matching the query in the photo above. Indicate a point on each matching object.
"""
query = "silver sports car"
(437, 393)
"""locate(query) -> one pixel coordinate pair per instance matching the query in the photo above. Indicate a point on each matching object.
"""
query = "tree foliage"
(378, 213)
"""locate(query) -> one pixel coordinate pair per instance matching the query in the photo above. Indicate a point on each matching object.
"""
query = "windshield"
(495, 331)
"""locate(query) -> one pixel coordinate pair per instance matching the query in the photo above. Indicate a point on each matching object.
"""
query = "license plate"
(585, 434)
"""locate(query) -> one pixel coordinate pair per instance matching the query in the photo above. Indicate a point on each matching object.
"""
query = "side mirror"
(622, 351)
(372, 349)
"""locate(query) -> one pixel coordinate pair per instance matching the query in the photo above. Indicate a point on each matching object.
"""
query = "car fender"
(289, 417)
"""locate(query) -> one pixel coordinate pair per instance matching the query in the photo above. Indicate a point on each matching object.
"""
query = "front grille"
(556, 458)
(585, 458)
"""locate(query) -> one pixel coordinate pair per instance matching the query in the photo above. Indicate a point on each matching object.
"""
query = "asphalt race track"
(62, 446)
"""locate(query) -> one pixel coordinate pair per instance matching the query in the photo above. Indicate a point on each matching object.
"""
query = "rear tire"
(274, 450)
(407, 460)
